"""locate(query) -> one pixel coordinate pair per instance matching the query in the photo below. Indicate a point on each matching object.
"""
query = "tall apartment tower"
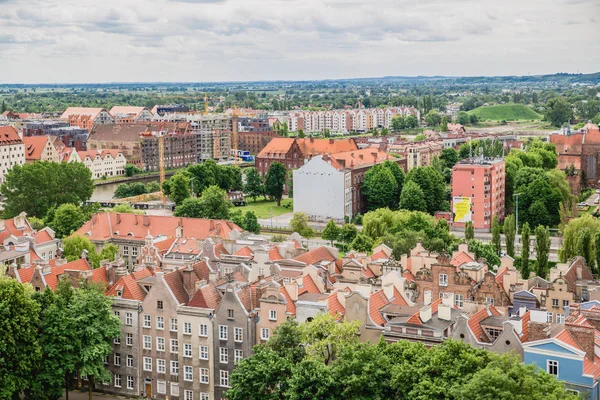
(478, 186)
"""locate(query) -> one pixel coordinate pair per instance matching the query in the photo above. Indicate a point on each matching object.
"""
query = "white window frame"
(552, 364)
(161, 387)
(443, 280)
(188, 373)
(554, 302)
(238, 356)
(204, 353)
(160, 343)
(549, 317)
(187, 328)
(128, 319)
(187, 350)
(560, 318)
(238, 335)
(130, 382)
(188, 395)
(459, 300)
(147, 321)
(174, 367)
(174, 389)
(117, 359)
(223, 355)
(204, 376)
(272, 315)
(223, 378)
(265, 333)
(204, 396)
(161, 366)
(147, 342)
(223, 332)
(117, 340)
(118, 380)
(147, 364)
(203, 330)
(129, 339)
(173, 324)
(160, 323)
(129, 361)
(174, 346)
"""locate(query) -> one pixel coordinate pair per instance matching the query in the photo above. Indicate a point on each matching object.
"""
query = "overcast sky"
(232, 40)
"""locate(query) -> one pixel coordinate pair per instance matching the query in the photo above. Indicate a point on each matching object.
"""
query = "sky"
(94, 41)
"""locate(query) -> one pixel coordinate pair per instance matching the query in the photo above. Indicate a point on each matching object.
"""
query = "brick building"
(478, 186)
(581, 150)
(86, 117)
(254, 134)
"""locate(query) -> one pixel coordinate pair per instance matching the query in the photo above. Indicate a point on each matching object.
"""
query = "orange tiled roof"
(362, 157)
(9, 135)
(408, 276)
(206, 297)
(11, 229)
(42, 237)
(461, 259)
(475, 322)
(164, 245)
(398, 299)
(175, 282)
(525, 327)
(274, 254)
(34, 146)
(566, 337)
(244, 251)
(89, 111)
(52, 278)
(291, 306)
(276, 146)
(335, 308)
(316, 255)
(312, 146)
(376, 301)
(500, 276)
(220, 249)
(379, 255)
(308, 286)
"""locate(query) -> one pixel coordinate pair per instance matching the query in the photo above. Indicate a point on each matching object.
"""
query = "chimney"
(188, 279)
(198, 285)
(331, 141)
(362, 157)
(118, 218)
(213, 276)
(444, 312)
(45, 268)
(448, 299)
(146, 220)
(427, 297)
(60, 261)
(292, 290)
(425, 313)
(584, 335)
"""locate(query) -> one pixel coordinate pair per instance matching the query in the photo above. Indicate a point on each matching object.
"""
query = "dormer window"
(119, 293)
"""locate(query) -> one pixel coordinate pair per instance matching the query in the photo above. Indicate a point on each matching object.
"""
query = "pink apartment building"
(478, 184)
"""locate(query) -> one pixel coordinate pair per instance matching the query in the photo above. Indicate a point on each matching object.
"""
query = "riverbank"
(137, 177)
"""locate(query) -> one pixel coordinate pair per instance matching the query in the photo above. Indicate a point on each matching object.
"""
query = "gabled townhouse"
(86, 117)
(40, 148)
(12, 150)
(103, 163)
(130, 114)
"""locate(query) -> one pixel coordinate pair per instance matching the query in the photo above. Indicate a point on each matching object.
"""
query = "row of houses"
(344, 121)
(194, 297)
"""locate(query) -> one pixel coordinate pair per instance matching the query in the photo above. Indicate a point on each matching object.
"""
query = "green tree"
(331, 232)
(348, 232)
(525, 267)
(432, 184)
(125, 208)
(444, 124)
(585, 246)
(74, 246)
(571, 234)
(412, 198)
(301, 134)
(469, 230)
(432, 118)
(275, 181)
(509, 234)
(311, 379)
(362, 243)
(300, 224)
(557, 111)
(486, 251)
(449, 156)
(496, 239)
(420, 137)
(251, 222)
(597, 252)
(463, 118)
(473, 119)
(36, 223)
(36, 187)
(324, 336)
(67, 219)
(179, 188)
(399, 176)
(129, 190)
(214, 204)
(93, 312)
(398, 123)
(411, 122)
(109, 252)
(380, 188)
(20, 350)
(542, 250)
(131, 170)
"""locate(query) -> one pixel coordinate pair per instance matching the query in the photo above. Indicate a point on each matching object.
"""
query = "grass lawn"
(262, 208)
(507, 112)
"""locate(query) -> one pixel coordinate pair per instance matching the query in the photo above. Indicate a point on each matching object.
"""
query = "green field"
(262, 208)
(505, 112)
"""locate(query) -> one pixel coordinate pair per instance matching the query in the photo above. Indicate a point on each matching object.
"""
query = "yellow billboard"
(461, 207)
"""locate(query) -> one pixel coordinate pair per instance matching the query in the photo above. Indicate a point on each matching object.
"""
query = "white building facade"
(12, 150)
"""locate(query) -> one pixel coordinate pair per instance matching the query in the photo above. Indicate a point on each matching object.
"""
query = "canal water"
(106, 192)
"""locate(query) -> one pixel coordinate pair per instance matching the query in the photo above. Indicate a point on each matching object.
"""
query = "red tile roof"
(34, 147)
(461, 259)
(335, 308)
(52, 278)
(206, 297)
(398, 299)
(11, 229)
(308, 286)
(103, 226)
(415, 319)
(408, 276)
(500, 276)
(379, 255)
(291, 306)
(175, 282)
(315, 256)
(220, 249)
(312, 146)
(475, 322)
(376, 301)
(9, 135)
(42, 237)
(129, 287)
(244, 251)
(525, 327)
(276, 146)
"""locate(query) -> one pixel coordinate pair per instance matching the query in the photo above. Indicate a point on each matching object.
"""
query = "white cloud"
(217, 40)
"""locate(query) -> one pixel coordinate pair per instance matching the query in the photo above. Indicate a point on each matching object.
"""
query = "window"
(565, 303)
(459, 300)
(161, 366)
(117, 359)
(125, 250)
(188, 395)
(554, 302)
(128, 319)
(130, 382)
(159, 304)
(129, 360)
(160, 344)
(549, 317)
(117, 340)
(117, 314)
(265, 333)
(118, 380)
(238, 334)
(160, 323)
(187, 350)
(552, 367)
(230, 314)
(173, 324)
(560, 318)
(272, 315)
(147, 342)
(161, 387)
(204, 352)
(134, 251)
(174, 346)
(148, 364)
(204, 375)
(222, 332)
(187, 328)
(147, 321)
(188, 373)
(129, 339)
(203, 330)
(174, 389)
(443, 279)
(224, 378)
(489, 300)
(239, 354)
(223, 355)
(203, 396)
(174, 367)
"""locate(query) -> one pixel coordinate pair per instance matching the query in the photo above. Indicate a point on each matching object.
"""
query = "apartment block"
(12, 150)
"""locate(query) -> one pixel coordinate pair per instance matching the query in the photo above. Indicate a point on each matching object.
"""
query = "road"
(78, 395)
